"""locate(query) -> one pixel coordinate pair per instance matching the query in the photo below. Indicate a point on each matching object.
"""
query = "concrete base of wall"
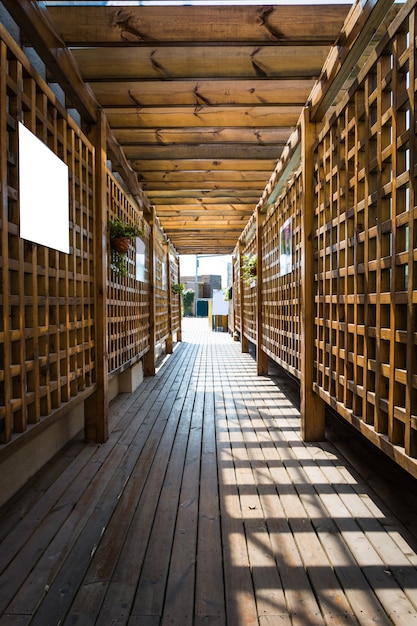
(36, 449)
(127, 381)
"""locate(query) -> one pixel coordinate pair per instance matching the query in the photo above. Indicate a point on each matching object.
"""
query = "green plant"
(119, 228)
(177, 287)
(249, 267)
(121, 233)
(187, 300)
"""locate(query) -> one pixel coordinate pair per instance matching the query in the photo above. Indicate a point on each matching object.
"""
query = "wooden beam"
(204, 151)
(149, 358)
(311, 405)
(203, 92)
(190, 117)
(133, 138)
(202, 63)
(261, 355)
(218, 165)
(96, 406)
(285, 25)
(357, 32)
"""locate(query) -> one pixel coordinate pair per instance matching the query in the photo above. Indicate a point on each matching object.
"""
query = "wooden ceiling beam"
(185, 177)
(204, 165)
(201, 117)
(193, 200)
(205, 151)
(202, 135)
(130, 24)
(199, 63)
(198, 92)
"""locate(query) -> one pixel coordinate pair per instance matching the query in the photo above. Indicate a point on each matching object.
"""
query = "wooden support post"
(244, 341)
(96, 406)
(149, 359)
(179, 333)
(169, 341)
(261, 356)
(312, 406)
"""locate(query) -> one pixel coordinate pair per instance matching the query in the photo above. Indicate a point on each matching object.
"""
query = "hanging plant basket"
(121, 234)
(120, 244)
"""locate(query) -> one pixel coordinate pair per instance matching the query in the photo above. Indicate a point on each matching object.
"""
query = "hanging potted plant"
(177, 287)
(121, 234)
(249, 268)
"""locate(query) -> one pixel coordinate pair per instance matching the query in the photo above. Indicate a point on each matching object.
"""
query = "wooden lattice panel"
(281, 286)
(161, 286)
(127, 295)
(174, 277)
(366, 346)
(236, 291)
(248, 287)
(47, 297)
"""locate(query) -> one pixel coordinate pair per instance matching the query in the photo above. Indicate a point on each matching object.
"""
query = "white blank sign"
(43, 193)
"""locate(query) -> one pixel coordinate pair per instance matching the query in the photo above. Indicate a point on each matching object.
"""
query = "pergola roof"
(202, 99)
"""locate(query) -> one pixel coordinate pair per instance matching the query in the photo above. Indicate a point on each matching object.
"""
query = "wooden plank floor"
(204, 508)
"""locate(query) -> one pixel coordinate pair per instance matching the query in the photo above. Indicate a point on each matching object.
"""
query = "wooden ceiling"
(202, 100)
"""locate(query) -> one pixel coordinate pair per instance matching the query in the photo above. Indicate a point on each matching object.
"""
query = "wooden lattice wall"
(248, 288)
(47, 303)
(175, 299)
(236, 325)
(161, 286)
(366, 246)
(281, 281)
(128, 295)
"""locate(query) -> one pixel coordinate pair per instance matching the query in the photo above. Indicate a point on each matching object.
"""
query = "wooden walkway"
(204, 508)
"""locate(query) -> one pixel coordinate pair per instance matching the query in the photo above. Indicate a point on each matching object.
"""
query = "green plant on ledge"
(121, 234)
(249, 268)
(177, 287)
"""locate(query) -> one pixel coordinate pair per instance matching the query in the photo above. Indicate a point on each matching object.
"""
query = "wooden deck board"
(204, 508)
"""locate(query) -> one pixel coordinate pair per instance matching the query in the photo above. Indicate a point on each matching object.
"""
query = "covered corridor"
(204, 506)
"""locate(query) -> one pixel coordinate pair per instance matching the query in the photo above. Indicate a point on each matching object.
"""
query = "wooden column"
(312, 406)
(261, 356)
(244, 341)
(179, 333)
(149, 359)
(96, 406)
(169, 341)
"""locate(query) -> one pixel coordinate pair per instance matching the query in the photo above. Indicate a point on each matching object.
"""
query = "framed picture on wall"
(285, 248)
